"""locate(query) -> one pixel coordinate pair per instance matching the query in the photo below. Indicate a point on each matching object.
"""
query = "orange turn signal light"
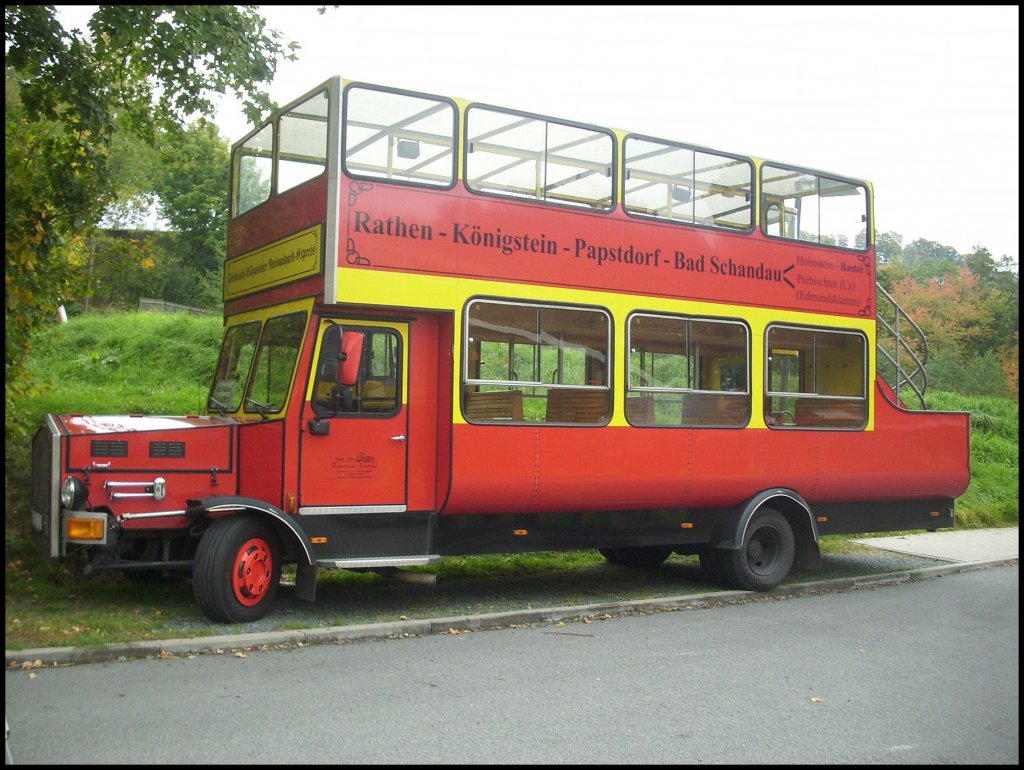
(84, 529)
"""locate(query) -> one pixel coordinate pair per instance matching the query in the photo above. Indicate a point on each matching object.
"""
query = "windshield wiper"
(262, 408)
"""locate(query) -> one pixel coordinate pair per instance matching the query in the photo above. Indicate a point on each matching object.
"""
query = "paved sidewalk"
(967, 545)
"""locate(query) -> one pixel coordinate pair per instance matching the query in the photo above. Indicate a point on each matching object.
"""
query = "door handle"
(399, 437)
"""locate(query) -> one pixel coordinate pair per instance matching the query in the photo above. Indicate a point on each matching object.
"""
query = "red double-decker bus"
(454, 328)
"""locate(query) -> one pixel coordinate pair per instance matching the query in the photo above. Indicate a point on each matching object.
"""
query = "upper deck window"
(253, 170)
(399, 137)
(520, 156)
(301, 133)
(303, 153)
(805, 206)
(688, 185)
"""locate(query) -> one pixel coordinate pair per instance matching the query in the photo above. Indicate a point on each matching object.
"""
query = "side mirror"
(350, 358)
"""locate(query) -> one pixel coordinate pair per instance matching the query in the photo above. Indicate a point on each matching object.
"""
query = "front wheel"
(237, 570)
(766, 557)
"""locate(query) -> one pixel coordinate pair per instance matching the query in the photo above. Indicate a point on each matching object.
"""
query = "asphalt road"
(918, 672)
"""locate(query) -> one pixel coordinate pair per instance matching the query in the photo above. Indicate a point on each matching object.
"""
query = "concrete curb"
(241, 643)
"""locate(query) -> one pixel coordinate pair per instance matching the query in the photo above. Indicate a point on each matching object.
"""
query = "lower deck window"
(531, 363)
(816, 378)
(687, 372)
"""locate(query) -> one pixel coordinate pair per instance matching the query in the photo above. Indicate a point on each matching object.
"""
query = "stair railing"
(902, 348)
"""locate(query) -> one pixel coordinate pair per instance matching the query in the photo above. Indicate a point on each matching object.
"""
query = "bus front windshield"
(256, 365)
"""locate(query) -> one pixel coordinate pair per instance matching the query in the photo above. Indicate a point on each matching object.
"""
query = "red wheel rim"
(254, 569)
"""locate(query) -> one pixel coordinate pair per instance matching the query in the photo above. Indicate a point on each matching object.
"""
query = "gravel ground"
(380, 600)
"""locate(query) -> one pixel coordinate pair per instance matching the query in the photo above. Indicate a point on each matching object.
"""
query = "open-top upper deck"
(356, 177)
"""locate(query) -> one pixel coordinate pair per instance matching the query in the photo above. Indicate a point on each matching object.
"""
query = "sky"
(921, 101)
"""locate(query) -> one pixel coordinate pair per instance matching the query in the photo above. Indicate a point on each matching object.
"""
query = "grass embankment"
(153, 363)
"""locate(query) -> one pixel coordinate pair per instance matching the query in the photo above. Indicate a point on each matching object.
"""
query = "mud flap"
(305, 582)
(808, 554)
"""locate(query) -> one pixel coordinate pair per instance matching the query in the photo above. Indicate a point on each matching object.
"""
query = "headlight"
(72, 493)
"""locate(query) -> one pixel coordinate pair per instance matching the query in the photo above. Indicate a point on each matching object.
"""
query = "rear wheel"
(766, 556)
(638, 557)
(237, 570)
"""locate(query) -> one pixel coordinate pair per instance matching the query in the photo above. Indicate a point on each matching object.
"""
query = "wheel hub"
(755, 549)
(253, 571)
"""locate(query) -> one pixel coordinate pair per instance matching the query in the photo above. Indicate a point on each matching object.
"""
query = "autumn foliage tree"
(970, 321)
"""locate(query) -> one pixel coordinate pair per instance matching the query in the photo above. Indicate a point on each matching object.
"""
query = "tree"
(192, 187)
(166, 237)
(959, 315)
(924, 259)
(143, 70)
(888, 246)
(119, 270)
(968, 306)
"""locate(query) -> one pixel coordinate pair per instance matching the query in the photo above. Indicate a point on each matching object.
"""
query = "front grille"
(164, 449)
(106, 448)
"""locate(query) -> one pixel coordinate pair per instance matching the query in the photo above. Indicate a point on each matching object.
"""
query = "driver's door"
(353, 445)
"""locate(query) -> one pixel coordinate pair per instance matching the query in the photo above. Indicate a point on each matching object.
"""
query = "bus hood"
(82, 425)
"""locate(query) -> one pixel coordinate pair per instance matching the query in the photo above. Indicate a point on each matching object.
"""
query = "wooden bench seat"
(713, 409)
(495, 405)
(577, 405)
(829, 413)
(640, 410)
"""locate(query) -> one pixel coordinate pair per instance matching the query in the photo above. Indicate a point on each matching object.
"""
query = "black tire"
(237, 570)
(766, 557)
(637, 557)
